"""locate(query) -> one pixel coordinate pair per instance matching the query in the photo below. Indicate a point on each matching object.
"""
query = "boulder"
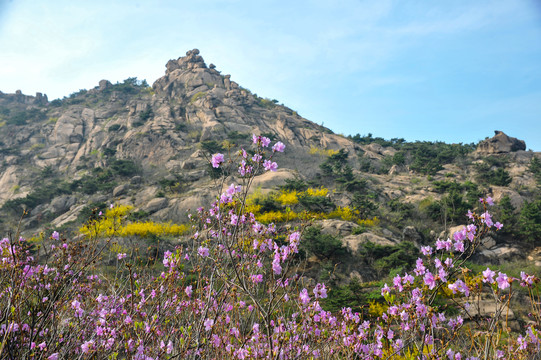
(61, 204)
(500, 143)
(104, 84)
(487, 242)
(411, 234)
(502, 253)
(449, 233)
(154, 205)
(336, 227)
(354, 242)
(272, 179)
(121, 190)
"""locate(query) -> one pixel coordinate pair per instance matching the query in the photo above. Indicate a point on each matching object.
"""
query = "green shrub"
(323, 245)
(386, 257)
(211, 146)
(114, 127)
(146, 114)
(529, 222)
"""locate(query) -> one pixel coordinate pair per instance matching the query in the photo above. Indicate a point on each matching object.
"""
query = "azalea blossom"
(217, 159)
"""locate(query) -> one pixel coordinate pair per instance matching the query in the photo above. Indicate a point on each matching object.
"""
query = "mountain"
(149, 147)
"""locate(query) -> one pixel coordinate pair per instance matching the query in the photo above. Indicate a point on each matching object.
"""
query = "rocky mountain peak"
(500, 143)
(189, 75)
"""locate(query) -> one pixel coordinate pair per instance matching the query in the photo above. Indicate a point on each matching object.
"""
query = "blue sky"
(452, 71)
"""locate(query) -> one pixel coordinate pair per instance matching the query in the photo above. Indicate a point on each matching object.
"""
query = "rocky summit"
(157, 129)
(149, 147)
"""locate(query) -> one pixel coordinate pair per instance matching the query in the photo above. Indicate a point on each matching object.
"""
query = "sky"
(450, 71)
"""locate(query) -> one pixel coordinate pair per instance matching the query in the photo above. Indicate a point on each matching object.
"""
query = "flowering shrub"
(233, 292)
(113, 223)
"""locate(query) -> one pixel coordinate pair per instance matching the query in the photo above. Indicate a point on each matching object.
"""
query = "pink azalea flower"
(265, 141)
(203, 251)
(279, 146)
(429, 280)
(426, 250)
(488, 276)
(502, 280)
(87, 346)
(304, 297)
(320, 291)
(270, 165)
(209, 323)
(217, 159)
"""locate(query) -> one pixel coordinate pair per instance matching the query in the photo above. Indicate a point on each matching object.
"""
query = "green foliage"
(138, 215)
(336, 167)
(424, 157)
(444, 186)
(123, 167)
(114, 127)
(129, 86)
(146, 114)
(368, 139)
(385, 257)
(21, 117)
(41, 194)
(507, 215)
(316, 203)
(296, 184)
(323, 245)
(535, 168)
(455, 204)
(529, 222)
(486, 174)
(266, 103)
(267, 204)
(91, 211)
(236, 136)
(401, 211)
(344, 296)
(197, 96)
(211, 146)
(364, 204)
(47, 172)
(174, 185)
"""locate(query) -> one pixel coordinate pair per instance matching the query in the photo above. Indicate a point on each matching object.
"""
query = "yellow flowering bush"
(113, 223)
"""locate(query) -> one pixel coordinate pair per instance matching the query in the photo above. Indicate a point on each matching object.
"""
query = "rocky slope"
(148, 147)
